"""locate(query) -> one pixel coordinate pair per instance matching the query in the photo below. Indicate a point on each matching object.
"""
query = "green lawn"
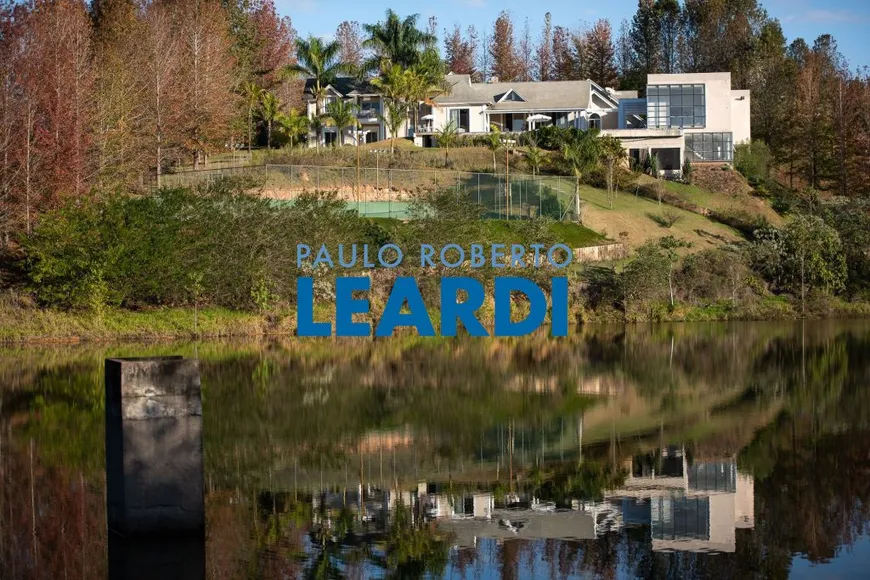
(635, 218)
(503, 231)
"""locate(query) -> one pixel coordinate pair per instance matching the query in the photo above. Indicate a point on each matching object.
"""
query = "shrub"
(753, 160)
(128, 251)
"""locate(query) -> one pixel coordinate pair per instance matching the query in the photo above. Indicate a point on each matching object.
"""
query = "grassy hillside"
(635, 220)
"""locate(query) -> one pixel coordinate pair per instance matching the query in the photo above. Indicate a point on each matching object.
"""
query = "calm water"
(670, 451)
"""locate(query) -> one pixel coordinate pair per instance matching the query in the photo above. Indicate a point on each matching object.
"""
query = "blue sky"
(847, 20)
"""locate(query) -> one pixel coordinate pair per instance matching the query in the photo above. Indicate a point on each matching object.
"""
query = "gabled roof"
(534, 95)
(344, 86)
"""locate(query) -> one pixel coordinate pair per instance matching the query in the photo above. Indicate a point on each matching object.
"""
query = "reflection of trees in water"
(52, 519)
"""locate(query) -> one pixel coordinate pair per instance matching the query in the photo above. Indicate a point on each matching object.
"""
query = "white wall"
(718, 95)
(740, 116)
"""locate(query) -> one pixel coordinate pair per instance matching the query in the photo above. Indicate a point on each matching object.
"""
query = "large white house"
(695, 116)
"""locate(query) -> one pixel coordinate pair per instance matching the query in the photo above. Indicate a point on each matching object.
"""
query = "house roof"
(541, 96)
(346, 86)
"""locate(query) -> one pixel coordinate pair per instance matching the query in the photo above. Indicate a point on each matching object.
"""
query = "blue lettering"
(346, 306)
(504, 326)
(453, 310)
(305, 325)
(405, 290)
(559, 307)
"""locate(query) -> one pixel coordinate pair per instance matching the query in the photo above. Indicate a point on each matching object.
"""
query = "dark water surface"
(724, 451)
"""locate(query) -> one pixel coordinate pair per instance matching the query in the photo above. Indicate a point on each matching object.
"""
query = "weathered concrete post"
(154, 466)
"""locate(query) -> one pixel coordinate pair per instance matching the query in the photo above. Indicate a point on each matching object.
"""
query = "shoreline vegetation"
(216, 261)
(34, 326)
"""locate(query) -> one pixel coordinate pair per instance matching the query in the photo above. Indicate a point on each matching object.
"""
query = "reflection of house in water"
(693, 507)
(686, 507)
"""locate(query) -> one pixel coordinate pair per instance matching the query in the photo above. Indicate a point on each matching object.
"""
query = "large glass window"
(460, 119)
(710, 147)
(676, 106)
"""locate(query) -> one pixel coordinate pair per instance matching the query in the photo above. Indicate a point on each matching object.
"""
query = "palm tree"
(342, 114)
(293, 126)
(251, 92)
(395, 113)
(534, 158)
(397, 41)
(580, 154)
(493, 143)
(317, 60)
(612, 152)
(447, 137)
(270, 108)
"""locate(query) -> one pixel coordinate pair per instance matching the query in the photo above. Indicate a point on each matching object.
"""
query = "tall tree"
(117, 36)
(208, 68)
(274, 42)
(460, 51)
(601, 54)
(544, 53)
(159, 84)
(646, 38)
(563, 55)
(502, 49)
(316, 60)
(526, 54)
(397, 40)
(670, 27)
(57, 84)
(349, 37)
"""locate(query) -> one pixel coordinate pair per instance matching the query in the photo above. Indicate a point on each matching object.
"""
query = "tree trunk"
(269, 134)
(577, 199)
(493, 162)
(250, 131)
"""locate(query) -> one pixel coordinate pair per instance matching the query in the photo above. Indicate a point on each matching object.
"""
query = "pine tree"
(601, 54)
(563, 57)
(459, 51)
(349, 36)
(544, 53)
(505, 60)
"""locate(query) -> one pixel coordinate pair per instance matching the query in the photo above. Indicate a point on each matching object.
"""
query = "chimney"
(493, 79)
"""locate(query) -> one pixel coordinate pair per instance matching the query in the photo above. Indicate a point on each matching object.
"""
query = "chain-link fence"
(376, 192)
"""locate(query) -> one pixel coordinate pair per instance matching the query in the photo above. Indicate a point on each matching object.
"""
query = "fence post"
(478, 189)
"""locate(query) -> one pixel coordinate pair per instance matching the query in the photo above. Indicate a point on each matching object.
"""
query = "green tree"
(612, 153)
(493, 142)
(251, 93)
(812, 257)
(396, 41)
(447, 137)
(393, 116)
(317, 60)
(270, 108)
(293, 126)
(580, 153)
(669, 246)
(341, 115)
(534, 158)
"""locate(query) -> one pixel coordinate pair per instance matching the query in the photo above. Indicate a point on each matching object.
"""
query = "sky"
(847, 20)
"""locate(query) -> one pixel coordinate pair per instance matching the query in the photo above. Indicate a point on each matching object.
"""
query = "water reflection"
(687, 451)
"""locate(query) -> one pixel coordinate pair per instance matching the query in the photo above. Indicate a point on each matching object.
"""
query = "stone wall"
(600, 253)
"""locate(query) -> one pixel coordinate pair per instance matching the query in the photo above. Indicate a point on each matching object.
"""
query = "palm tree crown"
(397, 40)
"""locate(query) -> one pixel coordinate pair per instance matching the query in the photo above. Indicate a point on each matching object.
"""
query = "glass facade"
(706, 147)
(676, 106)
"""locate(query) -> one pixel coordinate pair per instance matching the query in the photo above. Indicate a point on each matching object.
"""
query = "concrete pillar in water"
(154, 472)
(154, 468)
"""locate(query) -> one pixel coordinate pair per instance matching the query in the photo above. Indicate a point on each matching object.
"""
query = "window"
(676, 106)
(710, 147)
(459, 117)
(595, 121)
(330, 137)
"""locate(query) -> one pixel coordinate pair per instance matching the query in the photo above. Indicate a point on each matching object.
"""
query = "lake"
(690, 450)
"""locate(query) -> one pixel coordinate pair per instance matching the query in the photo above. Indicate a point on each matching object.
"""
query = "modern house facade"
(694, 116)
